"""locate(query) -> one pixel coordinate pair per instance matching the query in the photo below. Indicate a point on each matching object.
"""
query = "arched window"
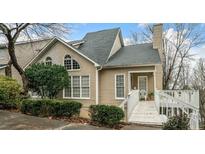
(70, 64)
(48, 61)
(67, 62)
(75, 64)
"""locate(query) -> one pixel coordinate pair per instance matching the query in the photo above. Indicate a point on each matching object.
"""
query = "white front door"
(142, 86)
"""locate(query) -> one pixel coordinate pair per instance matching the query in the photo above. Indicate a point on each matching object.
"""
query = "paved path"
(140, 127)
(82, 127)
(18, 121)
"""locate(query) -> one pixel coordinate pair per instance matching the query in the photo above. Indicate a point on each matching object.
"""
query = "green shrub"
(106, 115)
(177, 123)
(46, 107)
(9, 92)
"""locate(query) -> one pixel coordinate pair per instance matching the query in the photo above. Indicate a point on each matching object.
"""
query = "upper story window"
(71, 64)
(48, 61)
(75, 64)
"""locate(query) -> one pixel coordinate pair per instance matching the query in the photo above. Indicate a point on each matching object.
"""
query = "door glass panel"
(142, 83)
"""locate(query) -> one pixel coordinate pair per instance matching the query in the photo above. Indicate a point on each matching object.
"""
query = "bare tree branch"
(13, 31)
(178, 40)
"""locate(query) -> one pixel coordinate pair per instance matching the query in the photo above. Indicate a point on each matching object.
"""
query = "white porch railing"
(130, 102)
(171, 103)
(123, 105)
(191, 97)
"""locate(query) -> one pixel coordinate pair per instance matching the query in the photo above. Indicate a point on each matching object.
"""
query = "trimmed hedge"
(47, 107)
(177, 123)
(106, 115)
(9, 92)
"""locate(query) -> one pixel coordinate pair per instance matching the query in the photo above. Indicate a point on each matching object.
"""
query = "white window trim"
(71, 77)
(119, 98)
(130, 72)
(72, 88)
(88, 86)
(71, 70)
(48, 61)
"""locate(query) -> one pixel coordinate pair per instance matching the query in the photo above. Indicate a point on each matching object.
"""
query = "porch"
(167, 103)
(144, 81)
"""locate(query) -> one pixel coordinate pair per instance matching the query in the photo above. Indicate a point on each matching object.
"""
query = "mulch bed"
(81, 120)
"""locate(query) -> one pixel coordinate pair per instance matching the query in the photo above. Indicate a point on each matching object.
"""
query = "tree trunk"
(12, 55)
(8, 69)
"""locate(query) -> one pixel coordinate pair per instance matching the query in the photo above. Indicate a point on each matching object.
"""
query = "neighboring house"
(102, 69)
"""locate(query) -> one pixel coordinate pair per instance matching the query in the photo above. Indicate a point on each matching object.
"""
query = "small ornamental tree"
(47, 80)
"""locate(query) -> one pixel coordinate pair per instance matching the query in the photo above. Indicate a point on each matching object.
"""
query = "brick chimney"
(157, 39)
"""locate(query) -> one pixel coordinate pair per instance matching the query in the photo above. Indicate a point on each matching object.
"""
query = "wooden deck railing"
(171, 103)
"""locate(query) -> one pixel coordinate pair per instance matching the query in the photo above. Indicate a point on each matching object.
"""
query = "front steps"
(146, 113)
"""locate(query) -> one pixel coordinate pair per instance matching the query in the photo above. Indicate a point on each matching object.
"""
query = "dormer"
(118, 43)
(76, 43)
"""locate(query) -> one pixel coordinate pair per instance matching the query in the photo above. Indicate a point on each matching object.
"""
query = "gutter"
(125, 66)
(97, 83)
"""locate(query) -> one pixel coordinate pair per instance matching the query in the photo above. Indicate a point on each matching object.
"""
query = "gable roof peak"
(103, 30)
(98, 45)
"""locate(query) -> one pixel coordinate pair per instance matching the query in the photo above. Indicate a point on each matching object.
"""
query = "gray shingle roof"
(97, 45)
(134, 55)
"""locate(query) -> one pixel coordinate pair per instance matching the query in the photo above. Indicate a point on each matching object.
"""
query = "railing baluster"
(179, 102)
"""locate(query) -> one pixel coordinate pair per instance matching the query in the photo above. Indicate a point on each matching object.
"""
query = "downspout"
(97, 83)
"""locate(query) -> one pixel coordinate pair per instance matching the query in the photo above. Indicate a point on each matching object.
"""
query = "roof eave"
(2, 67)
(131, 65)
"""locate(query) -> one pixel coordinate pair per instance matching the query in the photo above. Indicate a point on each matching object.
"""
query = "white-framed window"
(85, 86)
(119, 86)
(79, 87)
(71, 64)
(76, 86)
(67, 91)
(48, 61)
(76, 66)
(67, 62)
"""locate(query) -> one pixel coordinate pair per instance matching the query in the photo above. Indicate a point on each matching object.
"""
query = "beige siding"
(58, 52)
(2, 71)
(24, 53)
(107, 83)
